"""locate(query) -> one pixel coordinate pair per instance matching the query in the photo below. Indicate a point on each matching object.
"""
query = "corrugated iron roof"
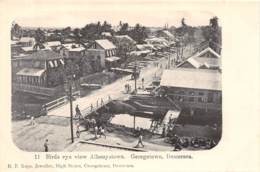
(192, 78)
(44, 55)
(31, 72)
(106, 44)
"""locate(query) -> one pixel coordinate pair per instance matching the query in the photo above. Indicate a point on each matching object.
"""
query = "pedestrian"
(96, 131)
(78, 113)
(102, 102)
(163, 130)
(78, 130)
(142, 83)
(102, 132)
(93, 122)
(140, 140)
(46, 145)
(24, 114)
(126, 88)
(32, 121)
(91, 107)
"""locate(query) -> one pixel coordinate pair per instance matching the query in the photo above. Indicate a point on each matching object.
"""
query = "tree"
(212, 34)
(183, 22)
(85, 67)
(185, 37)
(106, 27)
(16, 31)
(139, 33)
(71, 69)
(77, 35)
(123, 29)
(40, 38)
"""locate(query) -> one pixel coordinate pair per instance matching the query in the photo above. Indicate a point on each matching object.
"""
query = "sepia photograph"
(110, 85)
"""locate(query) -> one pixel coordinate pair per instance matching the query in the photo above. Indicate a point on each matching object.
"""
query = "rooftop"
(106, 44)
(74, 47)
(31, 72)
(44, 55)
(169, 34)
(192, 78)
(53, 43)
(198, 62)
(125, 37)
(26, 39)
(202, 53)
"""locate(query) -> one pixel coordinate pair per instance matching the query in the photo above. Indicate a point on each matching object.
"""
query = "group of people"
(127, 88)
(99, 131)
(194, 142)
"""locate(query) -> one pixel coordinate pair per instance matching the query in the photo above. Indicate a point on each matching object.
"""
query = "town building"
(201, 63)
(198, 90)
(96, 57)
(158, 43)
(205, 59)
(26, 42)
(110, 51)
(125, 44)
(165, 34)
(53, 45)
(38, 73)
(72, 51)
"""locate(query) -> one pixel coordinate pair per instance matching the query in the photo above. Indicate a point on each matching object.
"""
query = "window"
(210, 97)
(181, 92)
(201, 97)
(191, 98)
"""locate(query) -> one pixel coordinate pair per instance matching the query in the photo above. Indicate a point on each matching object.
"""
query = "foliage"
(40, 38)
(213, 35)
(185, 36)
(16, 31)
(139, 33)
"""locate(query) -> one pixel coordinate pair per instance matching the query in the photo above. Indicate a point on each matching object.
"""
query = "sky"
(78, 15)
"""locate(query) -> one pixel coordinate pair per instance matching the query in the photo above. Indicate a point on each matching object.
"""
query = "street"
(114, 90)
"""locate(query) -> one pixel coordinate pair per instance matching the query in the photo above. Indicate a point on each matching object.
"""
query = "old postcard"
(130, 86)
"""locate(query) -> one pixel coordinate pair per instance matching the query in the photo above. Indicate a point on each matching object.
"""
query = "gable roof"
(105, 44)
(198, 62)
(44, 55)
(168, 33)
(192, 78)
(199, 54)
(126, 37)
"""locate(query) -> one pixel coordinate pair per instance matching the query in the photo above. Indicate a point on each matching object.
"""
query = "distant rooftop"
(26, 39)
(74, 47)
(106, 44)
(44, 55)
(125, 37)
(198, 62)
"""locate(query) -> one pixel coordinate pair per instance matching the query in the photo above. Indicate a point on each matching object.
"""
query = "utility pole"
(71, 113)
(135, 75)
(69, 92)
